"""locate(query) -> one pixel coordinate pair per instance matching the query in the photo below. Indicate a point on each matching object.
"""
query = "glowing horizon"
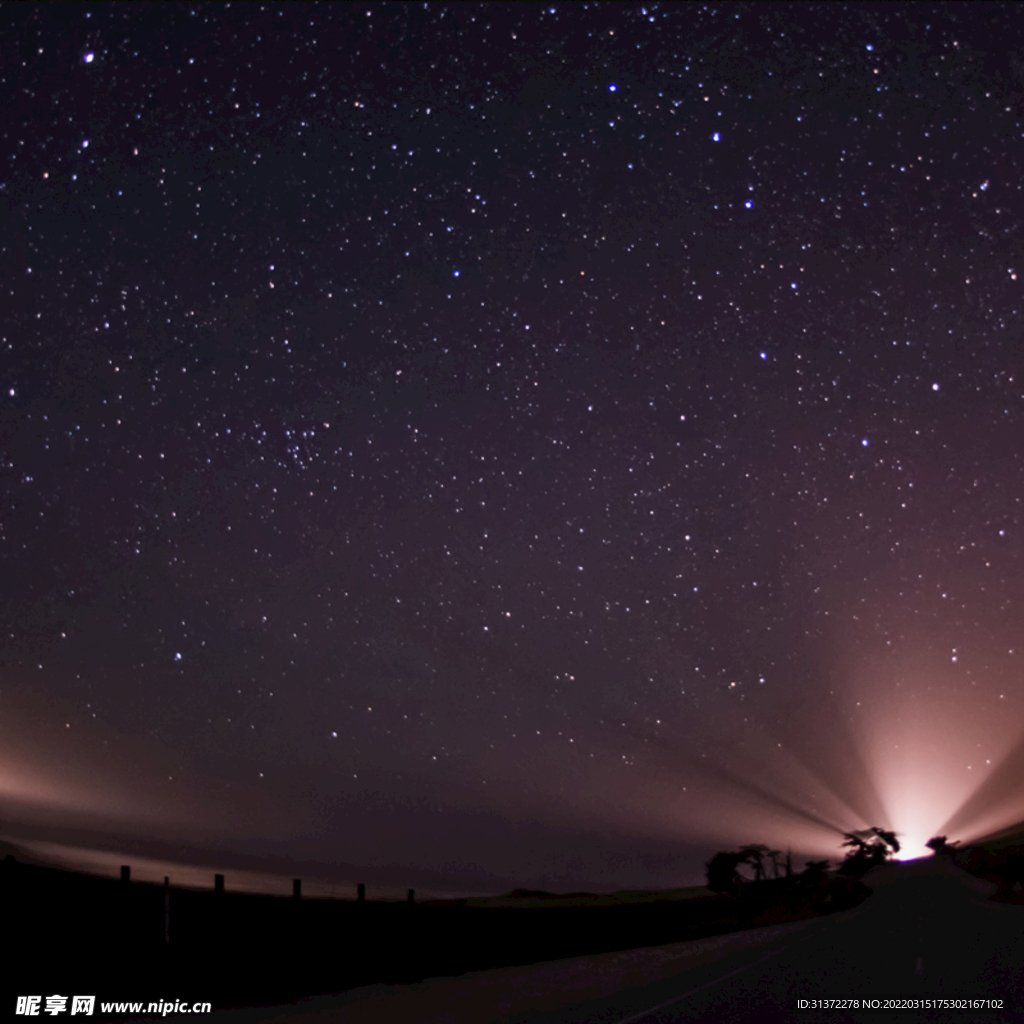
(897, 750)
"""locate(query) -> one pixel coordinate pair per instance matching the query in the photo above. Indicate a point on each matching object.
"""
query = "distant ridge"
(541, 894)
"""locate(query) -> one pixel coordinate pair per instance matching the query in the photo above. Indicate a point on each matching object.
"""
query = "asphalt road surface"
(929, 932)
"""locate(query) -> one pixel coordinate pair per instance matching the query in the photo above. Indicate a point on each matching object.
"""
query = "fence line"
(218, 887)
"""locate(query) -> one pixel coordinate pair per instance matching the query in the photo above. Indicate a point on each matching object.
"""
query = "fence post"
(218, 884)
(167, 912)
(125, 908)
(361, 888)
(297, 888)
(409, 898)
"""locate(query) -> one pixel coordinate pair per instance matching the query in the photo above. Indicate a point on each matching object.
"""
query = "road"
(928, 932)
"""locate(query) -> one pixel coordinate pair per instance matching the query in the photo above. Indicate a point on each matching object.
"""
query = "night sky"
(513, 443)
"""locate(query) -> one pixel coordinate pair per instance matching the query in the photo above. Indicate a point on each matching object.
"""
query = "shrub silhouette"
(939, 845)
(814, 872)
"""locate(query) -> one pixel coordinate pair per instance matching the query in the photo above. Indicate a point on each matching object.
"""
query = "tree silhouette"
(939, 845)
(889, 838)
(722, 873)
(754, 853)
(774, 856)
(868, 848)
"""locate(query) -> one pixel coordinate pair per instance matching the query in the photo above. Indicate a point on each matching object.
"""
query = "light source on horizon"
(930, 754)
(912, 848)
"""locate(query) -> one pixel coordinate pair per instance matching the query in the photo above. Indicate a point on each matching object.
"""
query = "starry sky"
(511, 443)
